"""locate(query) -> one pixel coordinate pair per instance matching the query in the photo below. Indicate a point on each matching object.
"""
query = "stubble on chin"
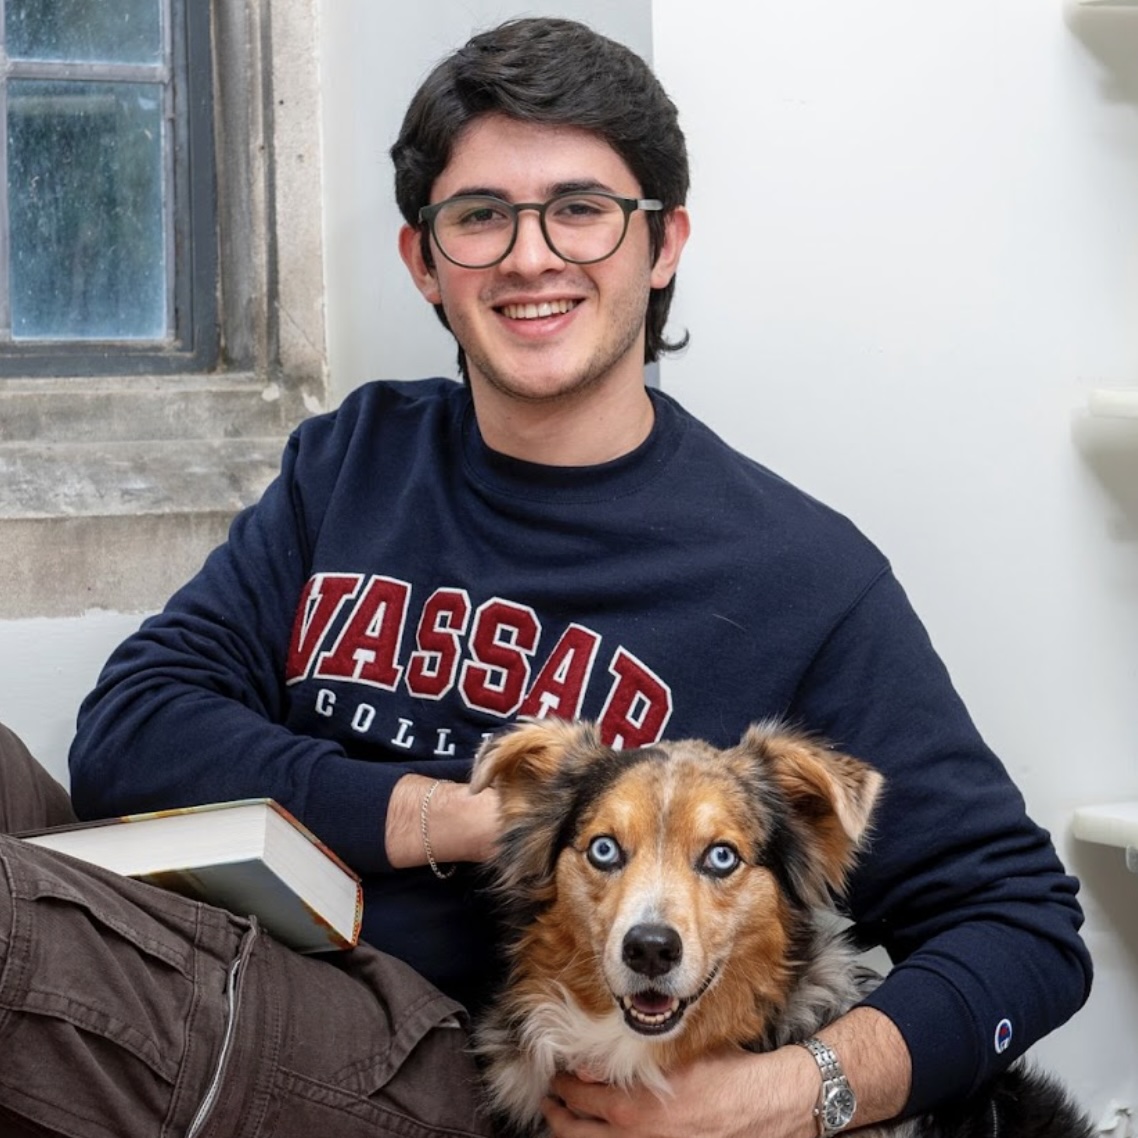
(623, 337)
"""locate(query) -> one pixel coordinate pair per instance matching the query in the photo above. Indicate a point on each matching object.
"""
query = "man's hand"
(735, 1094)
(462, 826)
(727, 1096)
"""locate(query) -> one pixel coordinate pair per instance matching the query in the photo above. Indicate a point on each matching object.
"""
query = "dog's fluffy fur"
(665, 903)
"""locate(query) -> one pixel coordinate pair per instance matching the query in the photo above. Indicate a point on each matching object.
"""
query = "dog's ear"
(534, 767)
(831, 797)
(522, 757)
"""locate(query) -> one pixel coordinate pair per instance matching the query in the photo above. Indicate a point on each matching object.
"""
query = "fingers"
(567, 1122)
(581, 1106)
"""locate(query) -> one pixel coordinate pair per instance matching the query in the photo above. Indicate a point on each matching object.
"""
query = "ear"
(831, 798)
(530, 752)
(411, 250)
(677, 229)
(533, 766)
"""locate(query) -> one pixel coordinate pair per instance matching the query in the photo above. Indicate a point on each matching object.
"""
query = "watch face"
(838, 1108)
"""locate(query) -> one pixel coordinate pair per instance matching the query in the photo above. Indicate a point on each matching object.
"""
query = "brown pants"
(126, 1010)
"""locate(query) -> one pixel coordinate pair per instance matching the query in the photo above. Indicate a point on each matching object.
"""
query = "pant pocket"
(368, 1047)
(97, 995)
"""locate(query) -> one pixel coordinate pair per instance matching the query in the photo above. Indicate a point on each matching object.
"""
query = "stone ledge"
(150, 408)
(113, 491)
(118, 526)
(59, 567)
(75, 480)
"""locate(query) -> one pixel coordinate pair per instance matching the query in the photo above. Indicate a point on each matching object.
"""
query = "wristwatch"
(836, 1100)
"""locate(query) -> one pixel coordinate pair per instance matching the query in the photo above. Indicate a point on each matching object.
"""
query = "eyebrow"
(574, 186)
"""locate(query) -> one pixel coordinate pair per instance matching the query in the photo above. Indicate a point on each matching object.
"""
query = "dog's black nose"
(652, 950)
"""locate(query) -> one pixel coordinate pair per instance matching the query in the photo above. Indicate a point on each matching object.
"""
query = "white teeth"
(534, 311)
(646, 1018)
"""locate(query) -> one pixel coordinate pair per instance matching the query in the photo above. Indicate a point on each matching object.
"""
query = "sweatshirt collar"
(516, 478)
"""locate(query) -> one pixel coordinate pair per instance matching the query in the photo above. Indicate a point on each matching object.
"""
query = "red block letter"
(367, 649)
(434, 663)
(560, 685)
(503, 639)
(322, 599)
(638, 706)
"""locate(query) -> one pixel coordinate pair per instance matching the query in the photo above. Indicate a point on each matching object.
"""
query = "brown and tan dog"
(665, 904)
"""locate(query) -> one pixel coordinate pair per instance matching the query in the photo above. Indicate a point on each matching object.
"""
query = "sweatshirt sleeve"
(962, 889)
(189, 708)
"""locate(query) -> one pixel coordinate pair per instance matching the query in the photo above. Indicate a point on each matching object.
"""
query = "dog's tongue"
(652, 1003)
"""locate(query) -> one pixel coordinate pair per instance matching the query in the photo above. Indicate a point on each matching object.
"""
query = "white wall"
(914, 251)
(46, 668)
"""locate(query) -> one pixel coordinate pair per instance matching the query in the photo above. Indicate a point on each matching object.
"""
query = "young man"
(550, 538)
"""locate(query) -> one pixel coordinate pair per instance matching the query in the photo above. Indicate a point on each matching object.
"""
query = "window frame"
(193, 343)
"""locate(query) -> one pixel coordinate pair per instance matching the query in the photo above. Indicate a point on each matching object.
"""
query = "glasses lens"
(584, 227)
(474, 231)
(477, 231)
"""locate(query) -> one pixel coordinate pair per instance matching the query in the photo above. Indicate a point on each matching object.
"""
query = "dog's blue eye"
(720, 859)
(605, 853)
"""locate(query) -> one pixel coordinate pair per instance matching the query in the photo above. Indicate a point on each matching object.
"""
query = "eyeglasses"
(476, 231)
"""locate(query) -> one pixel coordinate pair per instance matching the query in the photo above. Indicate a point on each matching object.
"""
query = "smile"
(652, 1012)
(536, 311)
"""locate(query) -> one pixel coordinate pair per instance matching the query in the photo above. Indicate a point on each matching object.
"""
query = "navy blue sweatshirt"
(401, 590)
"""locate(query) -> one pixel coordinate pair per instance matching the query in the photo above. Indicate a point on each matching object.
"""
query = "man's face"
(594, 333)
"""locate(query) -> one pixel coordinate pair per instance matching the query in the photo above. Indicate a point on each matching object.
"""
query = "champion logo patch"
(1003, 1036)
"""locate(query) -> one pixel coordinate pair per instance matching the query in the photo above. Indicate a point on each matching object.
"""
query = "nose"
(652, 950)
(531, 252)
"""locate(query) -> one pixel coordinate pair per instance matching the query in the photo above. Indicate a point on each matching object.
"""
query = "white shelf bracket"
(1113, 825)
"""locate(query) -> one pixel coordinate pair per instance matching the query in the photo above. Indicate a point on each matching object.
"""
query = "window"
(129, 439)
(107, 228)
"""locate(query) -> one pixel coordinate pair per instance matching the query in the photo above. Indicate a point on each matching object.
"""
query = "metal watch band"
(826, 1059)
(836, 1101)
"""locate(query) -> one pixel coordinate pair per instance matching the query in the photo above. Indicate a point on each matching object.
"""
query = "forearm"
(876, 1063)
(144, 743)
(959, 886)
(149, 748)
(875, 1059)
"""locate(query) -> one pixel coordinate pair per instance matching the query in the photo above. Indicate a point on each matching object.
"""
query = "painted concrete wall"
(914, 252)
(46, 668)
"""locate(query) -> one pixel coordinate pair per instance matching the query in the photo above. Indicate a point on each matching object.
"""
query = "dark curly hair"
(561, 73)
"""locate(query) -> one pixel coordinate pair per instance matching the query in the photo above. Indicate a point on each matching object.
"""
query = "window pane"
(87, 240)
(90, 31)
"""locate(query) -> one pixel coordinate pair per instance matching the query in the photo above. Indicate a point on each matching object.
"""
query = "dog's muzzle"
(652, 951)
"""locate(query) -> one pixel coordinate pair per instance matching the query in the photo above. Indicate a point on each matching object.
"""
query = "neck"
(584, 430)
